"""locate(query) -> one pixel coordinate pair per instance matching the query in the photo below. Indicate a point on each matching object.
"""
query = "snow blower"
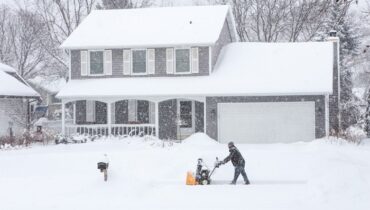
(202, 175)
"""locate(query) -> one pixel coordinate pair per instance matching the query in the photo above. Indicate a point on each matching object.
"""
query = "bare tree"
(61, 18)
(26, 32)
(123, 4)
(5, 42)
(278, 20)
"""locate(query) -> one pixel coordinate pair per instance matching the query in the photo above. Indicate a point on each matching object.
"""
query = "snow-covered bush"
(355, 134)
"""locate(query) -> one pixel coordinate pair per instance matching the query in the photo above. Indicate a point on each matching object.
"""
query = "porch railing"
(116, 129)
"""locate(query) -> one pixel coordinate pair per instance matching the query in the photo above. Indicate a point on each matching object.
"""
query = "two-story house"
(172, 72)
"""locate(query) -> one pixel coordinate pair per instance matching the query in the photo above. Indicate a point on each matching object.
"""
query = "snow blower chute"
(202, 175)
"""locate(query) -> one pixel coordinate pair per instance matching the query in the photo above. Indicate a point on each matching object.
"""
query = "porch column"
(63, 118)
(205, 115)
(156, 119)
(74, 113)
(109, 117)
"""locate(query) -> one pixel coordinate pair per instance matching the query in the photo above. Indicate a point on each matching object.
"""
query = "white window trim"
(174, 60)
(132, 61)
(89, 66)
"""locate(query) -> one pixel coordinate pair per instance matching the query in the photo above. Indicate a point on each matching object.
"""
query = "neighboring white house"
(15, 96)
(175, 71)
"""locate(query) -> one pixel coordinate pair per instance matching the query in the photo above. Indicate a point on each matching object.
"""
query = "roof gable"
(12, 87)
(149, 27)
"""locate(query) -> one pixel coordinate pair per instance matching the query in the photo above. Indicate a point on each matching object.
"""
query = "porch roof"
(243, 69)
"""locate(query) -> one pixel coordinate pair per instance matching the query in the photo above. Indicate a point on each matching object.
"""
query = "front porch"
(165, 118)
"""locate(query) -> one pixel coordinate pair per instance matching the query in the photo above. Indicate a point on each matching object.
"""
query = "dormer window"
(182, 61)
(96, 62)
(139, 61)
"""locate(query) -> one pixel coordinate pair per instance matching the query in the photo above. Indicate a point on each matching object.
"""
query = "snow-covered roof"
(243, 69)
(6, 68)
(149, 27)
(52, 85)
(12, 87)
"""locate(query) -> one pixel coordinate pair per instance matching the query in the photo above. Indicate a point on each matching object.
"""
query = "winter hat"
(230, 144)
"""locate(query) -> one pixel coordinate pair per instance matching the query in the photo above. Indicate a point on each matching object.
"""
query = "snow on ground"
(321, 174)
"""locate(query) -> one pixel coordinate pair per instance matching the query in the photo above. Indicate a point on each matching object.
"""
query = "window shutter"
(151, 112)
(126, 62)
(108, 62)
(151, 61)
(169, 60)
(84, 62)
(90, 111)
(194, 60)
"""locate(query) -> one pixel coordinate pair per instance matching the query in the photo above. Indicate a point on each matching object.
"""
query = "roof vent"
(190, 22)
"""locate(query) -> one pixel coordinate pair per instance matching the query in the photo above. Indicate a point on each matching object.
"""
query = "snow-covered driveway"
(143, 175)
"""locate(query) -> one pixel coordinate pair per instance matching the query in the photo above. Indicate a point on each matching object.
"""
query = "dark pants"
(239, 169)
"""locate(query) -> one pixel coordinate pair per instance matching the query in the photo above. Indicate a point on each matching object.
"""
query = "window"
(182, 61)
(96, 62)
(142, 111)
(186, 114)
(138, 111)
(139, 61)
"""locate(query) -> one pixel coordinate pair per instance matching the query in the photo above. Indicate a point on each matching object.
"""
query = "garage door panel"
(266, 122)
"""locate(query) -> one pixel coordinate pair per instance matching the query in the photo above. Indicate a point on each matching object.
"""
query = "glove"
(219, 163)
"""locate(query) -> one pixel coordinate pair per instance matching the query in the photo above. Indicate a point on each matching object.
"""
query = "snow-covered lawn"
(144, 175)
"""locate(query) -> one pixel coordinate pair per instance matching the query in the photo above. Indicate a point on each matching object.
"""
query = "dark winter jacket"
(235, 156)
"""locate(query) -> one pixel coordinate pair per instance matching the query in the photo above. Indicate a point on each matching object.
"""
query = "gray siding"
(212, 102)
(224, 39)
(203, 60)
(13, 110)
(160, 64)
(75, 64)
(167, 119)
(334, 98)
(199, 116)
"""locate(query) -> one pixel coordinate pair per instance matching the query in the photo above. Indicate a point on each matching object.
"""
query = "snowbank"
(199, 139)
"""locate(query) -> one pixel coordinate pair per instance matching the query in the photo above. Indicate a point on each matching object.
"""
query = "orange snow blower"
(202, 175)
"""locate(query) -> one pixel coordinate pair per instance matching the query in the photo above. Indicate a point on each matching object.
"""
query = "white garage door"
(267, 122)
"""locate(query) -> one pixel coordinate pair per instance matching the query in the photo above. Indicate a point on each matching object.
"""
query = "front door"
(185, 113)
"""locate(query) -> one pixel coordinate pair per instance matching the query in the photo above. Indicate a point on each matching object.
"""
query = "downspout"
(327, 115)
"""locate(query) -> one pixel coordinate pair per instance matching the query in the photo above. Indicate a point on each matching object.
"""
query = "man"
(238, 161)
